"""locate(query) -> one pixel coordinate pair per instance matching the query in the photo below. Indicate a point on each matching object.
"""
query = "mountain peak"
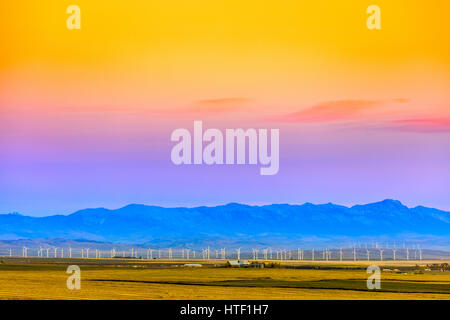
(392, 202)
(385, 202)
(235, 204)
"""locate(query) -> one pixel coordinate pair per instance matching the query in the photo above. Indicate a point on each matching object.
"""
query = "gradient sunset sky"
(86, 115)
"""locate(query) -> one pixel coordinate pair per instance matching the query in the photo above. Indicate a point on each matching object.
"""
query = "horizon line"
(219, 205)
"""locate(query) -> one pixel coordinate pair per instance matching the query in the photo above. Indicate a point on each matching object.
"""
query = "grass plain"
(45, 278)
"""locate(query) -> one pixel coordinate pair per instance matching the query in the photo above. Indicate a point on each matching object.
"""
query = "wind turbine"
(354, 254)
(407, 254)
(312, 254)
(368, 254)
(381, 254)
(70, 252)
(393, 252)
(340, 254)
(238, 253)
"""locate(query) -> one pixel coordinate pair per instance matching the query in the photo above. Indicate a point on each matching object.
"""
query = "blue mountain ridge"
(136, 223)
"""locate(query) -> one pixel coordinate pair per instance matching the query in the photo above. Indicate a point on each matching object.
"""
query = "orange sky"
(284, 56)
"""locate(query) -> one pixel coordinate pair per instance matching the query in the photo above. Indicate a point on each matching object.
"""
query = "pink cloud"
(217, 106)
(330, 111)
(424, 124)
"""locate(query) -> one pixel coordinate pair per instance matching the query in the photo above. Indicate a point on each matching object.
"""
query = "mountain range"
(237, 224)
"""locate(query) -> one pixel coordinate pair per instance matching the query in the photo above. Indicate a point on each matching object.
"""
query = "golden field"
(37, 278)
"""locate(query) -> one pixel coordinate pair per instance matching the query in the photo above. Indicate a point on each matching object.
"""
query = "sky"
(86, 115)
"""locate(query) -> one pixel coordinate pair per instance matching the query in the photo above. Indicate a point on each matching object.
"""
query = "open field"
(37, 278)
